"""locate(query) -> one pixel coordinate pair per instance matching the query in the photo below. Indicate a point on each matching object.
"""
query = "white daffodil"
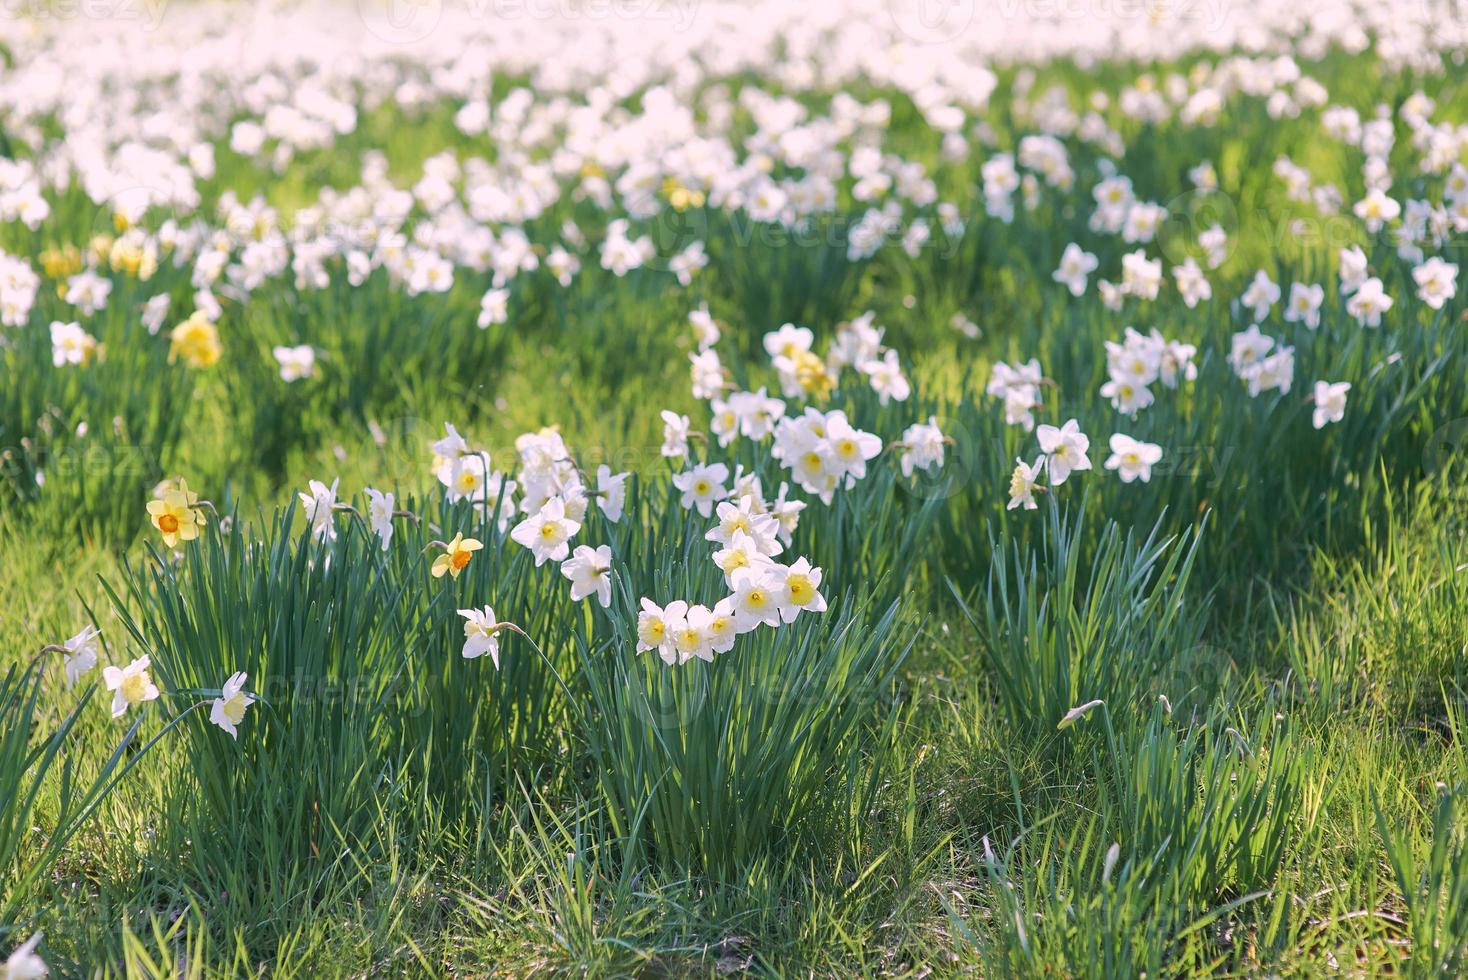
(1304, 304)
(691, 635)
(590, 572)
(81, 654)
(380, 509)
(1437, 282)
(746, 517)
(546, 532)
(1330, 402)
(1132, 460)
(1022, 484)
(703, 486)
(228, 710)
(481, 634)
(1369, 302)
(799, 590)
(886, 377)
(23, 963)
(676, 430)
(319, 507)
(1261, 295)
(922, 446)
(742, 551)
(295, 362)
(657, 625)
(1064, 449)
(1076, 265)
(611, 492)
(130, 685)
(756, 597)
(722, 627)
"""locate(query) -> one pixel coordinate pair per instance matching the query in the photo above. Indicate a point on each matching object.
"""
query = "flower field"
(669, 488)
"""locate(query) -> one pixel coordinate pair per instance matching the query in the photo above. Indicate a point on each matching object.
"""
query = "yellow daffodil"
(61, 262)
(101, 247)
(195, 340)
(174, 515)
(811, 373)
(680, 197)
(456, 556)
(135, 255)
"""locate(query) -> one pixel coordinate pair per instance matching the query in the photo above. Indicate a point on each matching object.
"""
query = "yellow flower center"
(168, 524)
(1018, 485)
(234, 708)
(801, 591)
(134, 686)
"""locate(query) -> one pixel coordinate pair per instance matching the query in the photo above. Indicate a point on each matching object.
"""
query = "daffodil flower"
(23, 963)
(130, 685)
(228, 709)
(456, 556)
(81, 654)
(590, 572)
(174, 515)
(481, 634)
